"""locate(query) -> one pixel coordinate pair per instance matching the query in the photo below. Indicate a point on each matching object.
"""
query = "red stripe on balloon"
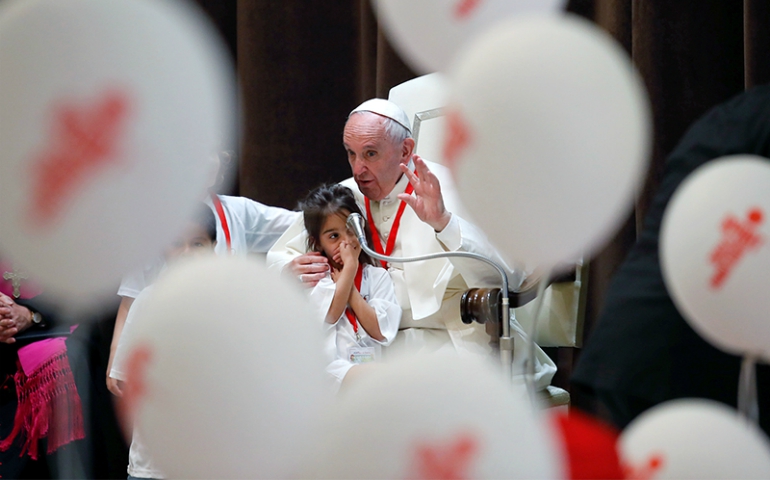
(465, 8)
(458, 138)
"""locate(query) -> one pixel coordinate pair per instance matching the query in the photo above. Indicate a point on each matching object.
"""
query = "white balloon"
(694, 439)
(110, 113)
(429, 33)
(715, 252)
(548, 135)
(438, 416)
(227, 372)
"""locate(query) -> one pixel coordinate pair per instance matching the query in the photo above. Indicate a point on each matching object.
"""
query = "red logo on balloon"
(738, 237)
(136, 378)
(646, 471)
(449, 462)
(464, 8)
(83, 141)
(457, 139)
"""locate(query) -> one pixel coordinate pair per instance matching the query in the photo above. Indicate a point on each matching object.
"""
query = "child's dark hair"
(329, 200)
(205, 219)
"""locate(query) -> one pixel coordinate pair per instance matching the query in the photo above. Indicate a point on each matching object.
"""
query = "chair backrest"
(560, 323)
(423, 99)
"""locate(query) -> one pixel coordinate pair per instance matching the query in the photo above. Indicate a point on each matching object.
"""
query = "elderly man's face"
(373, 157)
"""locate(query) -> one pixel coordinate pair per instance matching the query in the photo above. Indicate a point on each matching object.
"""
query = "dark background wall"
(302, 67)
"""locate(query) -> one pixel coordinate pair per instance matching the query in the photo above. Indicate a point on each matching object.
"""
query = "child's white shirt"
(339, 338)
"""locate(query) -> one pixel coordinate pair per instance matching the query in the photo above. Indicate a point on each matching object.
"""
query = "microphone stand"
(356, 223)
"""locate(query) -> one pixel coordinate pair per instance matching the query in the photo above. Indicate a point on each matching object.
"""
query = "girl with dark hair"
(357, 298)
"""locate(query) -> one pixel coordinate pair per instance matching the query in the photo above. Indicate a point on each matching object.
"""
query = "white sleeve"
(133, 283)
(461, 235)
(118, 370)
(263, 224)
(291, 244)
(382, 298)
(321, 297)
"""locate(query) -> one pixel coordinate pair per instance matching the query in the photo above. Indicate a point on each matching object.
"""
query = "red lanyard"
(222, 220)
(393, 230)
(351, 316)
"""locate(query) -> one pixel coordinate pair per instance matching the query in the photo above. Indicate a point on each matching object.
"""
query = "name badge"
(361, 354)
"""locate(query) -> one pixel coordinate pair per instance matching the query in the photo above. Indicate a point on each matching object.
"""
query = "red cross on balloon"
(84, 139)
(450, 461)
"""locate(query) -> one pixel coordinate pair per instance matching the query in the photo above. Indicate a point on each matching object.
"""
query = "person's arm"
(263, 224)
(114, 385)
(429, 201)
(463, 236)
(289, 256)
(366, 315)
(344, 280)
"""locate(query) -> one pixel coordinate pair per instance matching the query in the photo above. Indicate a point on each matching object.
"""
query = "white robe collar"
(400, 187)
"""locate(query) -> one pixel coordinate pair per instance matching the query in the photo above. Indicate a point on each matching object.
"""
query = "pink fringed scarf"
(48, 402)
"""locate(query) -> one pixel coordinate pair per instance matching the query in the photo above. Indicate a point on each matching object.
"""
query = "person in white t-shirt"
(356, 298)
(199, 238)
(243, 226)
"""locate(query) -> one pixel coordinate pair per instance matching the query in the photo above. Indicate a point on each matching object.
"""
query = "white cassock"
(254, 228)
(340, 338)
(429, 291)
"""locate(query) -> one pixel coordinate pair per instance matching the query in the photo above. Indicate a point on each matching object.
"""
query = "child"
(357, 298)
(199, 238)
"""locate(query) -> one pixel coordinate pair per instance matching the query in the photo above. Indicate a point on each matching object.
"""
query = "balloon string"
(747, 390)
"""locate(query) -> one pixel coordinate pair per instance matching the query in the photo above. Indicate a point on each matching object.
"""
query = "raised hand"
(348, 254)
(426, 200)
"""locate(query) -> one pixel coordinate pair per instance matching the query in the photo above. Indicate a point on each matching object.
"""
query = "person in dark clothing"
(99, 451)
(642, 352)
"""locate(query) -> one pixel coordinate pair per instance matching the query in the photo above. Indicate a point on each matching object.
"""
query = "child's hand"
(335, 274)
(349, 254)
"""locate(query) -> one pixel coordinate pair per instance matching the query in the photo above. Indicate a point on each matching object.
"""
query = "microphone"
(356, 224)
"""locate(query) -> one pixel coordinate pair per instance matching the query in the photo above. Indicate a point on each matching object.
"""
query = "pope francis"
(414, 209)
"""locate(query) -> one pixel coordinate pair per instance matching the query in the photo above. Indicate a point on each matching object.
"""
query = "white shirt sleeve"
(291, 244)
(118, 370)
(461, 235)
(262, 224)
(382, 298)
(133, 283)
(321, 297)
